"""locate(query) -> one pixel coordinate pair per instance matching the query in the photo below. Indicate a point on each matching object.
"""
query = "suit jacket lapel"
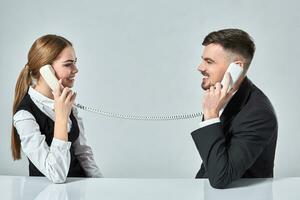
(235, 104)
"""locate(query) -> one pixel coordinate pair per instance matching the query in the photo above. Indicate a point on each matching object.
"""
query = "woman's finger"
(69, 96)
(58, 89)
(65, 92)
(73, 98)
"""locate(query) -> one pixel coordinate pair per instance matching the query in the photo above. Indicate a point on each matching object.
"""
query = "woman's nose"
(75, 70)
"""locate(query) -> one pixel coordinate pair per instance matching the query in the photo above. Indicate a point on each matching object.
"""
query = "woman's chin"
(69, 83)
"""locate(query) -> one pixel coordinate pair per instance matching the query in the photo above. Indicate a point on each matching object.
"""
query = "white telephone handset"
(48, 74)
(235, 71)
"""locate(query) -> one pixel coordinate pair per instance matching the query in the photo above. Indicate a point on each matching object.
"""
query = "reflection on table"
(39, 188)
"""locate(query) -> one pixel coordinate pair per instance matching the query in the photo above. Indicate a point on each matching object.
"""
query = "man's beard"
(206, 84)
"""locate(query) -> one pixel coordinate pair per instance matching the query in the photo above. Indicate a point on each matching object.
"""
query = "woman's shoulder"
(25, 104)
(24, 110)
(22, 115)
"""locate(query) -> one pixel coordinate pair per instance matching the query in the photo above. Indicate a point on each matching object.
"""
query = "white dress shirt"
(53, 161)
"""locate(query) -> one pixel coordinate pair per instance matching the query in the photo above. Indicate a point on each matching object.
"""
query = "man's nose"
(201, 67)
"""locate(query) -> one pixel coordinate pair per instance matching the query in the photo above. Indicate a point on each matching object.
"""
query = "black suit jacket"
(243, 144)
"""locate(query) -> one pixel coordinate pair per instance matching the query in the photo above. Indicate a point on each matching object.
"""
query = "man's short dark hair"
(234, 40)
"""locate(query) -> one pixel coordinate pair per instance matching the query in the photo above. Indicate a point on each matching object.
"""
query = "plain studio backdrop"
(140, 57)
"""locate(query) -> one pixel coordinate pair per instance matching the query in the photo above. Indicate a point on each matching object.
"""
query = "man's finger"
(226, 83)
(212, 89)
(218, 88)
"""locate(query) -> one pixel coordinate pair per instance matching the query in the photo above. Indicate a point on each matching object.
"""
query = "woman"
(45, 124)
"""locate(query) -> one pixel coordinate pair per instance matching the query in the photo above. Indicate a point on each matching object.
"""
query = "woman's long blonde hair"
(43, 51)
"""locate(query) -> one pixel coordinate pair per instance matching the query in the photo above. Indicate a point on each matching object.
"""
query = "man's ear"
(241, 63)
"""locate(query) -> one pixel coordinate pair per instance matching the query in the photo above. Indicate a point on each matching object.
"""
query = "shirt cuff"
(209, 122)
(60, 144)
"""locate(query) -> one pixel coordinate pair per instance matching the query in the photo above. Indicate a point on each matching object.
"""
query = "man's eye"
(68, 65)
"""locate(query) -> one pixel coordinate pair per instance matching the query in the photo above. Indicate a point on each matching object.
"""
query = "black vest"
(46, 125)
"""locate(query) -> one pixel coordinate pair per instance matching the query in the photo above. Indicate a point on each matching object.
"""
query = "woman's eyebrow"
(70, 60)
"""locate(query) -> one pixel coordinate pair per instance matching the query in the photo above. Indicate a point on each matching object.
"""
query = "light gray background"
(140, 56)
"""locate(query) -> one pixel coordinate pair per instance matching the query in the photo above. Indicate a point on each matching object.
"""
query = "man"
(238, 133)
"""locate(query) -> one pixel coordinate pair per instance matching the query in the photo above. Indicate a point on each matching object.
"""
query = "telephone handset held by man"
(235, 71)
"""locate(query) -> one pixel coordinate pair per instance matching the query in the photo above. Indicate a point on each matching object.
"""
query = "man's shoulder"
(258, 100)
(257, 109)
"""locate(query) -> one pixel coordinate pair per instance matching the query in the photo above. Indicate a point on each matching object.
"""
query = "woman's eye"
(68, 65)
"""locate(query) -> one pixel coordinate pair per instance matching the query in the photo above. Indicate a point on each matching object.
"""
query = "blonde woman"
(45, 125)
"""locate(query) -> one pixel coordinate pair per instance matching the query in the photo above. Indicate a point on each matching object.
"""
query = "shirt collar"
(40, 98)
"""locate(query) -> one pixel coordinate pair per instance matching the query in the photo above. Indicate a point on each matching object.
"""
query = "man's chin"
(205, 86)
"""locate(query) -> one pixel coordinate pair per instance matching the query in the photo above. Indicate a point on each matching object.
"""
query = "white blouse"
(53, 161)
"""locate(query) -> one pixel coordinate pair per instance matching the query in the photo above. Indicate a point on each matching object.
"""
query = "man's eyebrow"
(207, 59)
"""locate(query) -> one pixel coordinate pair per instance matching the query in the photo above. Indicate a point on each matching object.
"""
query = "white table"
(18, 187)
